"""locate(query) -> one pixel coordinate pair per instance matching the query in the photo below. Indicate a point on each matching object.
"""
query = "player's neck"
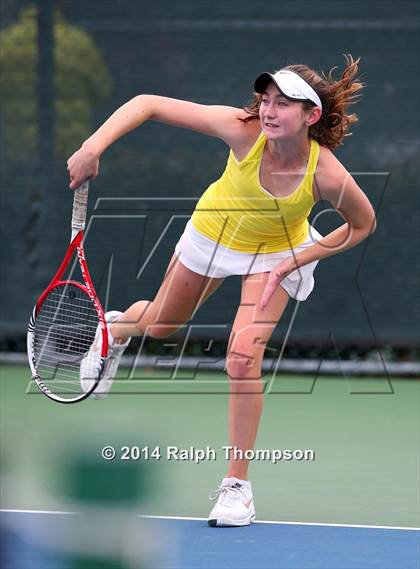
(290, 152)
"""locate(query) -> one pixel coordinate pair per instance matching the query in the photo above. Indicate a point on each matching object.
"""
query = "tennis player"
(253, 221)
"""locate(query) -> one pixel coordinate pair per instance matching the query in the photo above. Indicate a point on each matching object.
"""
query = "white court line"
(5, 511)
(291, 523)
(205, 519)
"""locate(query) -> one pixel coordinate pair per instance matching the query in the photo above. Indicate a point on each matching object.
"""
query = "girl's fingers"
(268, 292)
(275, 277)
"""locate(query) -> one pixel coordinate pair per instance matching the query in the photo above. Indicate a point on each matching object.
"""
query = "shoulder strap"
(313, 158)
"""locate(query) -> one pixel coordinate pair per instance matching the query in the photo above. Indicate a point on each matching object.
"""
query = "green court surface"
(364, 433)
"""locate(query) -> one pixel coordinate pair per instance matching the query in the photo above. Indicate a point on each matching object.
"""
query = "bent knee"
(241, 366)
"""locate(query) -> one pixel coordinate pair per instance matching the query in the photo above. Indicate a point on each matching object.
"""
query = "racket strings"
(65, 329)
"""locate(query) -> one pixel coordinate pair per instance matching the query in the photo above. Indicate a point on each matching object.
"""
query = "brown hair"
(336, 96)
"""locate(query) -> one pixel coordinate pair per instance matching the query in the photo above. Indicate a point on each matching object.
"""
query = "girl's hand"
(280, 271)
(82, 165)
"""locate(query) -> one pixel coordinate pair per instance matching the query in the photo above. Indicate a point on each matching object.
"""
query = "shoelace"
(226, 492)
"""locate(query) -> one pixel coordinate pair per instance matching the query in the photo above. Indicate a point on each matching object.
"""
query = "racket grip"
(80, 200)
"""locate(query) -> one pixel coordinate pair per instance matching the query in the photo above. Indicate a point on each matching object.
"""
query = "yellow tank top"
(240, 214)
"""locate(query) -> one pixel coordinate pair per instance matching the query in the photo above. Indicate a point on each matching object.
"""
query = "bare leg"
(250, 333)
(180, 295)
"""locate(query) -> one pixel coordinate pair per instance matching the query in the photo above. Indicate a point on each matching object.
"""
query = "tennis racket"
(67, 335)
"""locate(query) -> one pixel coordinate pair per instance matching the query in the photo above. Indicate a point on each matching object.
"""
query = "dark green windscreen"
(208, 52)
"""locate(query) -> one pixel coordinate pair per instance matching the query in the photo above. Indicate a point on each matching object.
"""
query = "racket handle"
(80, 200)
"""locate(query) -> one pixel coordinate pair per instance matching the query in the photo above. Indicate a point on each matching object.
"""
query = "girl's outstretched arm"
(213, 120)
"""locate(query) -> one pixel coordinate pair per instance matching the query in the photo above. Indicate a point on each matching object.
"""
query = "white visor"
(290, 84)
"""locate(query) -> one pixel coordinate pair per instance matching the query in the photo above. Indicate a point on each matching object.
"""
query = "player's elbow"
(364, 229)
(368, 228)
(146, 104)
(373, 225)
(368, 223)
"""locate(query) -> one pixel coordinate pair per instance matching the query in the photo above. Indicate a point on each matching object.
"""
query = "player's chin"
(273, 133)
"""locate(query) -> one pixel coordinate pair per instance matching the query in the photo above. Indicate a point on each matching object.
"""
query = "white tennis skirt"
(207, 257)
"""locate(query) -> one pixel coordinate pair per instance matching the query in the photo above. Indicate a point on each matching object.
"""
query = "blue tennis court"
(291, 546)
(191, 544)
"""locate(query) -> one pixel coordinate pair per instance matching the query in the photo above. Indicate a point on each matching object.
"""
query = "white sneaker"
(90, 364)
(235, 504)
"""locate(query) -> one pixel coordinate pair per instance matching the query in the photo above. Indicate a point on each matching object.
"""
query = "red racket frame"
(87, 287)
